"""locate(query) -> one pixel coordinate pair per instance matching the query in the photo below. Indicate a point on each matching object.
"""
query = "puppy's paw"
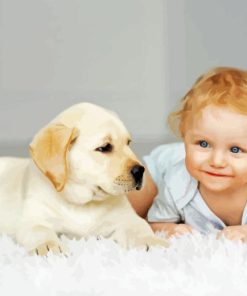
(50, 246)
(148, 242)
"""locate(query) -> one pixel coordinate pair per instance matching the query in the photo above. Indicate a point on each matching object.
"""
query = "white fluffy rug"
(193, 265)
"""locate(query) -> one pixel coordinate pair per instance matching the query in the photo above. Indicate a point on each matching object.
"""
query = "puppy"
(74, 184)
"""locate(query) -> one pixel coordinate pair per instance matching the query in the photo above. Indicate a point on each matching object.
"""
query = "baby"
(201, 183)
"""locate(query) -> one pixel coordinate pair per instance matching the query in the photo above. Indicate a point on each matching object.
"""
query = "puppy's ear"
(49, 151)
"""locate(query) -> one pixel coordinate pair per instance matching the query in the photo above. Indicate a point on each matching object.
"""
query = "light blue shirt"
(178, 199)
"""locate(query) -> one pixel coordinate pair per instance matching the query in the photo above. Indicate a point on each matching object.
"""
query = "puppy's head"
(85, 153)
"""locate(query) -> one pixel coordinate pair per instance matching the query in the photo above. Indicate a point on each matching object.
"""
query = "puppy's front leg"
(40, 240)
(137, 234)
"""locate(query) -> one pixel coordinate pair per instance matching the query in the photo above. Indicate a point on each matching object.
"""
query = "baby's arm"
(238, 232)
(142, 200)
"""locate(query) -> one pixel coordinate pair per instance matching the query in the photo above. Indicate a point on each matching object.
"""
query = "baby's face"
(216, 149)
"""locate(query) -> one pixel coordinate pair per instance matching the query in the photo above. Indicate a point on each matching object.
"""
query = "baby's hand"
(180, 229)
(238, 232)
(171, 229)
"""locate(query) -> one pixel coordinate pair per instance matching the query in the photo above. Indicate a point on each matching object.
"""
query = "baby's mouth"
(216, 174)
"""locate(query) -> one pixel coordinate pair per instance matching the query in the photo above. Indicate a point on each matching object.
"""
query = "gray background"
(137, 57)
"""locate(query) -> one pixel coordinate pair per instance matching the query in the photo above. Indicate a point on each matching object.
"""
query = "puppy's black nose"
(137, 172)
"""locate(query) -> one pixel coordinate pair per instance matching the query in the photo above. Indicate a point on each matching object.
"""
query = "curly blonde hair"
(222, 86)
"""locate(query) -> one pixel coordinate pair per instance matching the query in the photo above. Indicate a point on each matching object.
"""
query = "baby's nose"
(218, 159)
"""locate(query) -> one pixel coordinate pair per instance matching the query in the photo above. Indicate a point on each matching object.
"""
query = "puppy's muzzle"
(137, 172)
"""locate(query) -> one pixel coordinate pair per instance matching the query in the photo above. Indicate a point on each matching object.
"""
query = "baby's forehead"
(218, 122)
(218, 113)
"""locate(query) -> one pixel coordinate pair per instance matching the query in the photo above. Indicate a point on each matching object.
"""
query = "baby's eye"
(203, 144)
(235, 149)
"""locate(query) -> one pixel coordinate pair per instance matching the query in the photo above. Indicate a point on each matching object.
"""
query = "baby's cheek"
(195, 163)
(239, 169)
(192, 160)
(191, 166)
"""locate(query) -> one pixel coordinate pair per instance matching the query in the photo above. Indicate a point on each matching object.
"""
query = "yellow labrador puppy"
(75, 184)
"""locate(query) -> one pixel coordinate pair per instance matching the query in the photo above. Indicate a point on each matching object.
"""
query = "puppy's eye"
(107, 148)
(129, 141)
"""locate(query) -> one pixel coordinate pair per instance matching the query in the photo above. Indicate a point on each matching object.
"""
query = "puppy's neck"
(80, 194)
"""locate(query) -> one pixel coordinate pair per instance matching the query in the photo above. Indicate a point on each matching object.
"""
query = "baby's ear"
(49, 152)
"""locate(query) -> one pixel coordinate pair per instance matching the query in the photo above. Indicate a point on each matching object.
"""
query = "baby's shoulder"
(165, 159)
(168, 155)
(166, 164)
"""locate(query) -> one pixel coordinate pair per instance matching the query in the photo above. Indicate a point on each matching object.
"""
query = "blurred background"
(136, 57)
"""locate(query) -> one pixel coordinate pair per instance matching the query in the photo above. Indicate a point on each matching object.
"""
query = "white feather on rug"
(193, 265)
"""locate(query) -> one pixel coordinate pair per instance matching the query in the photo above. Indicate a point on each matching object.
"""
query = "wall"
(137, 57)
(57, 53)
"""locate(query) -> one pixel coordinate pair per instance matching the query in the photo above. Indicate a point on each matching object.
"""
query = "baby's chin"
(216, 185)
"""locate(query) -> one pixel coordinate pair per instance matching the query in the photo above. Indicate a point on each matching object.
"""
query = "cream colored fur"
(69, 187)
